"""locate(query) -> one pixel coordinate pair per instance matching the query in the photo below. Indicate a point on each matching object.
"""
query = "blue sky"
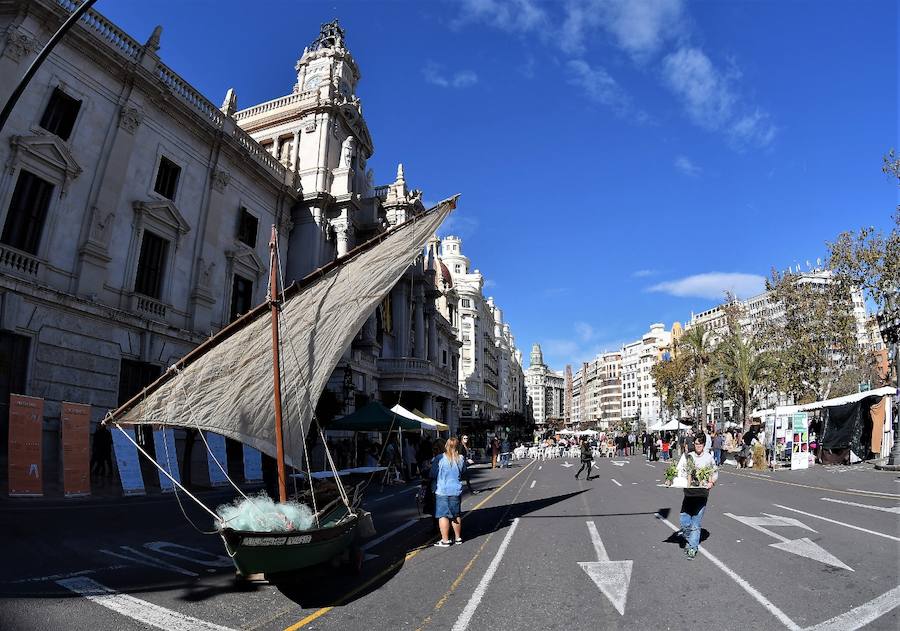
(620, 162)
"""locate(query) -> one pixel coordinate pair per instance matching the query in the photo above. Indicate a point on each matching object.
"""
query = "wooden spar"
(276, 363)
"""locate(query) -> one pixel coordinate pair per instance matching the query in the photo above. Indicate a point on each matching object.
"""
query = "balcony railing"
(381, 192)
(149, 306)
(18, 261)
(415, 367)
(308, 97)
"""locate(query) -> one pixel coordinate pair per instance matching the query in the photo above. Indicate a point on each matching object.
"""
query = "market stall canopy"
(433, 423)
(565, 432)
(373, 417)
(586, 432)
(674, 424)
(850, 398)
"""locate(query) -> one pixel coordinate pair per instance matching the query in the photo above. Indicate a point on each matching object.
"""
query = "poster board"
(127, 462)
(252, 464)
(800, 441)
(167, 457)
(26, 428)
(782, 450)
(216, 448)
(76, 454)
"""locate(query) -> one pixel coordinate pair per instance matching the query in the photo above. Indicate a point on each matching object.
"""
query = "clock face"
(312, 82)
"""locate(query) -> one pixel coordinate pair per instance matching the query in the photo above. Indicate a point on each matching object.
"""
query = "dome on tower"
(445, 274)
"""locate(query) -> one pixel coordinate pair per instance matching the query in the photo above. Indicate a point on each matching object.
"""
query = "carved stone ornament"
(18, 44)
(220, 179)
(309, 127)
(204, 273)
(101, 225)
(130, 118)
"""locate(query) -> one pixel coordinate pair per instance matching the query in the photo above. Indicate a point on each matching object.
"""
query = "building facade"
(136, 218)
(546, 390)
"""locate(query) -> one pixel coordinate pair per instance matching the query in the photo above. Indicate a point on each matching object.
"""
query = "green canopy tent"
(373, 417)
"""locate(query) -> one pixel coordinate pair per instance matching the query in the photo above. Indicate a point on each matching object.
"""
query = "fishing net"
(259, 513)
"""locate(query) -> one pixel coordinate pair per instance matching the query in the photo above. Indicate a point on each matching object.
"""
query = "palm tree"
(698, 345)
(745, 368)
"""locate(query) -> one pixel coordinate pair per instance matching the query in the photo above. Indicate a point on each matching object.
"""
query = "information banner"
(26, 428)
(127, 462)
(800, 441)
(252, 464)
(167, 457)
(217, 449)
(76, 453)
(782, 451)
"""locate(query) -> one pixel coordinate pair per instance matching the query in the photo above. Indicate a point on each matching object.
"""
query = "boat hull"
(278, 552)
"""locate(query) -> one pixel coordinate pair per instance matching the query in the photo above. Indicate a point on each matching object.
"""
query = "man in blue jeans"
(694, 503)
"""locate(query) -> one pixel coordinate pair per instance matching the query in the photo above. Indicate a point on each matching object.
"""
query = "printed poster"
(216, 448)
(26, 428)
(252, 464)
(782, 452)
(76, 453)
(127, 461)
(167, 457)
(800, 441)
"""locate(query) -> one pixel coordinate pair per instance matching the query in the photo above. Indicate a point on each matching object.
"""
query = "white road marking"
(389, 534)
(840, 523)
(621, 463)
(567, 464)
(136, 609)
(886, 509)
(462, 623)
(653, 466)
(612, 577)
(54, 577)
(875, 492)
(540, 466)
(747, 587)
(803, 547)
(188, 554)
(862, 615)
(532, 484)
(145, 559)
(615, 482)
(634, 482)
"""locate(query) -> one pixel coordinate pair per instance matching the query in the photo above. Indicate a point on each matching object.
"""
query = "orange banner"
(26, 425)
(76, 426)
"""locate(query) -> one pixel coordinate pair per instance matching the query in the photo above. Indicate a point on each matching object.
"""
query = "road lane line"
(465, 617)
(808, 486)
(885, 509)
(653, 466)
(747, 587)
(387, 497)
(393, 566)
(540, 466)
(388, 535)
(532, 484)
(136, 609)
(616, 482)
(878, 492)
(840, 523)
(862, 615)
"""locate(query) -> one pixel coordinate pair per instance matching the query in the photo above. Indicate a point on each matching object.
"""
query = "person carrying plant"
(699, 469)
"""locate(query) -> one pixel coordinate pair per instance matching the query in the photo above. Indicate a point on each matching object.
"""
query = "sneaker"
(458, 541)
(442, 544)
(576, 476)
(690, 553)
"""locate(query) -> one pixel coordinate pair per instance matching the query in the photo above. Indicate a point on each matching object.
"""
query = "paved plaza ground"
(816, 549)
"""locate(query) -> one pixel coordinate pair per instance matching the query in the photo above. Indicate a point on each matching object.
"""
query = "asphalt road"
(816, 549)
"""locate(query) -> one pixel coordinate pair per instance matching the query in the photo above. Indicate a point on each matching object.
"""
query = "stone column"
(342, 234)
(420, 322)
(428, 404)
(295, 152)
(432, 335)
(401, 320)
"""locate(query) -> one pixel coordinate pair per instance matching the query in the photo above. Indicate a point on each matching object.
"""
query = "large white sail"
(225, 385)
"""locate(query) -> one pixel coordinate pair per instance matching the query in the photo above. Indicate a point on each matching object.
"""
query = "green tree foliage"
(746, 369)
(696, 347)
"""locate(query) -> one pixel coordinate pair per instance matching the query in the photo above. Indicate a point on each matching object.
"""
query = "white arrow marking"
(540, 466)
(839, 523)
(886, 509)
(801, 547)
(532, 484)
(862, 615)
(612, 577)
(618, 464)
(567, 464)
(149, 613)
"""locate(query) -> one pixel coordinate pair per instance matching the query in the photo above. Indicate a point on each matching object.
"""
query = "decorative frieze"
(220, 179)
(19, 44)
(130, 118)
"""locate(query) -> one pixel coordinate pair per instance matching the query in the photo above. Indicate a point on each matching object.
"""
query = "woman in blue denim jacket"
(446, 476)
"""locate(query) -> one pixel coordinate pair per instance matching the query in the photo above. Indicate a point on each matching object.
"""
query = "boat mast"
(276, 362)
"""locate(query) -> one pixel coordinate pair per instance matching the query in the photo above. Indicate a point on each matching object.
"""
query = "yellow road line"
(808, 486)
(324, 610)
(443, 599)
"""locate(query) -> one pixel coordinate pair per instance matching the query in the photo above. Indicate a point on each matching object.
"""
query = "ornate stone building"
(136, 217)
(546, 389)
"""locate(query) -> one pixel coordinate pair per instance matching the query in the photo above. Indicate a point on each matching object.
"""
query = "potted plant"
(671, 473)
(703, 475)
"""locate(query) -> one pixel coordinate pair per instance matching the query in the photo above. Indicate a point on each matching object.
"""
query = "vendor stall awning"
(374, 417)
(433, 423)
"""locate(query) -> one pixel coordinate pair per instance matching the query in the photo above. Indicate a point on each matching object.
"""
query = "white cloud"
(460, 224)
(643, 273)
(600, 87)
(713, 285)
(711, 100)
(639, 27)
(490, 283)
(584, 331)
(514, 16)
(460, 79)
(686, 166)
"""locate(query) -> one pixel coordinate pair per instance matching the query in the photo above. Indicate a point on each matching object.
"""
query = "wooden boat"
(232, 383)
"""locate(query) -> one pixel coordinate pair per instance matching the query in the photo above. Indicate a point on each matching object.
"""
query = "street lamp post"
(889, 322)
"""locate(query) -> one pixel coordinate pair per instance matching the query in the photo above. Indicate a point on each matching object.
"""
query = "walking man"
(587, 459)
(694, 503)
